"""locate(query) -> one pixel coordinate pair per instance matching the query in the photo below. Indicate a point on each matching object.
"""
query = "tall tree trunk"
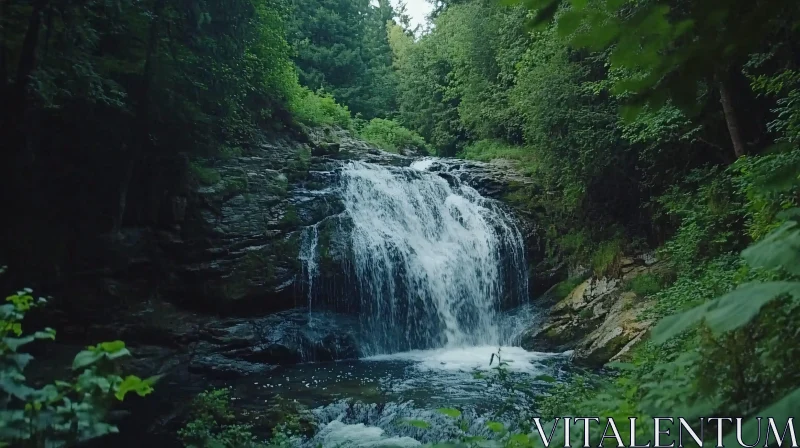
(726, 98)
(27, 59)
(141, 128)
(123, 192)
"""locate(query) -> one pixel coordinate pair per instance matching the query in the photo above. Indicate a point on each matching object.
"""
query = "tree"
(341, 46)
(673, 50)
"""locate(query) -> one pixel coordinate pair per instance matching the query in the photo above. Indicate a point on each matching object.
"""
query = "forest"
(663, 126)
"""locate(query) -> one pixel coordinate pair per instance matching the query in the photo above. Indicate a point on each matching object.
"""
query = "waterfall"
(309, 259)
(432, 260)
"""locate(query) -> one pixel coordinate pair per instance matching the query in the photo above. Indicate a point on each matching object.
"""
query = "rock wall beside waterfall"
(232, 246)
(600, 320)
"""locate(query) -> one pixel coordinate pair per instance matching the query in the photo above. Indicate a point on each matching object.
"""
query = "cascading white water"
(433, 261)
(309, 259)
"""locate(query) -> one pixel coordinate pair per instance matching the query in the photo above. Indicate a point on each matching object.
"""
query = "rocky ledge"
(229, 254)
(600, 319)
(231, 243)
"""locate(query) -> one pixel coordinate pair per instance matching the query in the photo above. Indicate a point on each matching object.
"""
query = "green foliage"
(726, 343)
(213, 424)
(450, 412)
(768, 186)
(68, 411)
(657, 41)
(606, 260)
(235, 185)
(563, 399)
(710, 214)
(645, 284)
(422, 424)
(393, 137)
(778, 250)
(204, 175)
(425, 104)
(319, 109)
(486, 150)
(342, 46)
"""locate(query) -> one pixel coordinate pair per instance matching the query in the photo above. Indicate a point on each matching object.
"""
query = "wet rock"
(288, 337)
(218, 366)
(325, 148)
(598, 319)
(616, 332)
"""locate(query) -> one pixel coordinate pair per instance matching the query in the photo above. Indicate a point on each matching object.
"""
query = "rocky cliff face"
(230, 255)
(599, 319)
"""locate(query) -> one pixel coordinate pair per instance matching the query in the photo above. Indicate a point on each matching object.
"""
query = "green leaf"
(418, 423)
(728, 312)
(779, 249)
(629, 113)
(13, 386)
(546, 378)
(14, 343)
(450, 412)
(569, 22)
(110, 347)
(780, 179)
(133, 383)
(495, 426)
(598, 37)
(118, 354)
(781, 411)
(738, 307)
(520, 439)
(20, 359)
(792, 213)
(621, 365)
(45, 334)
(86, 358)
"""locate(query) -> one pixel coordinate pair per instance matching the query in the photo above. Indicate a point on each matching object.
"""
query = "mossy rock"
(326, 148)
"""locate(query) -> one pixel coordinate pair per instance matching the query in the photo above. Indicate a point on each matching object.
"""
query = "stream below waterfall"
(369, 402)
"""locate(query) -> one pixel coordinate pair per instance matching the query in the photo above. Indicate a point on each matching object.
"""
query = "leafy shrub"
(213, 424)
(204, 175)
(392, 136)
(575, 244)
(319, 108)
(486, 150)
(722, 349)
(606, 258)
(645, 284)
(66, 412)
(762, 205)
(565, 398)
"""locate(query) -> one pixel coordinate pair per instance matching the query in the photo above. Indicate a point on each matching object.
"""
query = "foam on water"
(338, 434)
(423, 164)
(468, 358)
